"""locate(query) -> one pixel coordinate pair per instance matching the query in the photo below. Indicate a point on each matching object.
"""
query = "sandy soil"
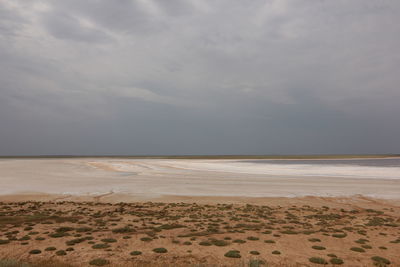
(193, 233)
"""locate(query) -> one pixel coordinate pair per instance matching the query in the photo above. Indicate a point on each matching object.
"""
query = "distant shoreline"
(272, 157)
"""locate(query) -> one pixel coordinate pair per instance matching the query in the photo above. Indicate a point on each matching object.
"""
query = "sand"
(286, 232)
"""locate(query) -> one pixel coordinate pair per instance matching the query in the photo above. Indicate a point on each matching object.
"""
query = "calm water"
(393, 162)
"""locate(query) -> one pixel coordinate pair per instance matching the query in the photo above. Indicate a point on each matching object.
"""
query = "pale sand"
(157, 179)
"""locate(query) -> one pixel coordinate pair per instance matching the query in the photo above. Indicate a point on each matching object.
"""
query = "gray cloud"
(199, 77)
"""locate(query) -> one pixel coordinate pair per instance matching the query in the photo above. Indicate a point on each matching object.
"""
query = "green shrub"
(336, 261)
(108, 240)
(380, 260)
(252, 238)
(239, 241)
(146, 239)
(232, 254)
(160, 250)
(357, 249)
(61, 253)
(35, 251)
(99, 262)
(342, 235)
(50, 249)
(276, 252)
(24, 238)
(256, 263)
(289, 232)
(318, 247)
(135, 253)
(361, 241)
(318, 260)
(59, 234)
(99, 246)
(205, 243)
(64, 229)
(83, 229)
(122, 230)
(254, 252)
(314, 240)
(219, 243)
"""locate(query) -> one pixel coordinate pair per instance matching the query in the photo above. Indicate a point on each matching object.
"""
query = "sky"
(178, 77)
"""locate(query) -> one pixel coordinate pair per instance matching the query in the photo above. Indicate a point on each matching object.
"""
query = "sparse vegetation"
(111, 229)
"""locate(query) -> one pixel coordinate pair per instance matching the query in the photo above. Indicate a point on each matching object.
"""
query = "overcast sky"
(199, 77)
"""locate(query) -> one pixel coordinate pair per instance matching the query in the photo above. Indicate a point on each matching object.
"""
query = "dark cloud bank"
(199, 77)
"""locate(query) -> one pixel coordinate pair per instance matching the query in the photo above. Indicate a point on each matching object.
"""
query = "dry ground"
(198, 234)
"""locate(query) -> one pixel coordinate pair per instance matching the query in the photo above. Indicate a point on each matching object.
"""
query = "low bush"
(160, 250)
(336, 261)
(61, 253)
(232, 254)
(99, 262)
(35, 251)
(357, 249)
(380, 260)
(318, 260)
(99, 246)
(108, 240)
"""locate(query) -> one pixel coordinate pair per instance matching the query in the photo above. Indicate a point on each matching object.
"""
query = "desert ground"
(163, 212)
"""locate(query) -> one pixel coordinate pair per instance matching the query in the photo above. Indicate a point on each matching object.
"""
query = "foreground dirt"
(291, 232)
